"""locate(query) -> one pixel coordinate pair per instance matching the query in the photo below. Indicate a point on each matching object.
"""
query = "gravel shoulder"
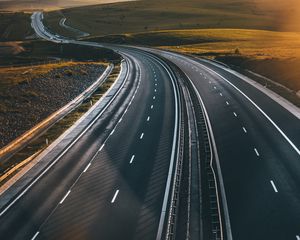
(26, 103)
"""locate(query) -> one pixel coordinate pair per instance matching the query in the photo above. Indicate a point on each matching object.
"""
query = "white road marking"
(227, 103)
(35, 235)
(254, 104)
(148, 118)
(153, 97)
(154, 90)
(120, 120)
(87, 167)
(142, 135)
(274, 187)
(151, 106)
(244, 129)
(215, 87)
(112, 132)
(256, 152)
(155, 84)
(102, 147)
(234, 113)
(297, 237)
(209, 82)
(64, 198)
(221, 94)
(115, 196)
(132, 158)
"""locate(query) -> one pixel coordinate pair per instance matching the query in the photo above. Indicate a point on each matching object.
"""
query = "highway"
(116, 181)
(260, 167)
(111, 183)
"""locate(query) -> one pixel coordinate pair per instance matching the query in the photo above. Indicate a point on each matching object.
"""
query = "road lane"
(261, 170)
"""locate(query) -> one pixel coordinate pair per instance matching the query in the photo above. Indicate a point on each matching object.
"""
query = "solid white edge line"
(101, 147)
(64, 198)
(258, 108)
(115, 196)
(87, 167)
(35, 235)
(132, 158)
(112, 132)
(274, 187)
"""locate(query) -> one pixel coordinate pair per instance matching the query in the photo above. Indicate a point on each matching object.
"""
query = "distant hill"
(29, 5)
(155, 15)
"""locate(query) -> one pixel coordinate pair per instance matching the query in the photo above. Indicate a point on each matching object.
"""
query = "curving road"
(115, 182)
(111, 183)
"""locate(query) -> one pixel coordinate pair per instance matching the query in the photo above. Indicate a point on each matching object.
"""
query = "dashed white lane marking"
(102, 147)
(256, 152)
(215, 87)
(221, 94)
(132, 158)
(151, 106)
(234, 113)
(35, 235)
(245, 130)
(154, 98)
(209, 82)
(115, 196)
(64, 198)
(154, 90)
(148, 118)
(297, 237)
(155, 84)
(227, 103)
(87, 167)
(142, 135)
(274, 187)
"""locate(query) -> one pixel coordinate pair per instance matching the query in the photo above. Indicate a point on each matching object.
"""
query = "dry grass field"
(14, 75)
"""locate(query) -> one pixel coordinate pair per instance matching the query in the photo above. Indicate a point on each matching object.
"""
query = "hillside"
(144, 16)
